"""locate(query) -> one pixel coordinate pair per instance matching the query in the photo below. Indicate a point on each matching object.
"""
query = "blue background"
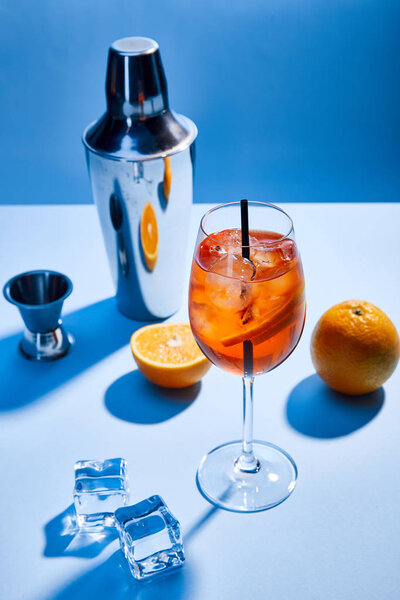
(294, 101)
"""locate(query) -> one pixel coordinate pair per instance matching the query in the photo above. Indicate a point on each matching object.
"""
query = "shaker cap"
(138, 124)
(134, 45)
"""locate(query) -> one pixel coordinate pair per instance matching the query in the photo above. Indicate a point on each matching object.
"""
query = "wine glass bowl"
(247, 312)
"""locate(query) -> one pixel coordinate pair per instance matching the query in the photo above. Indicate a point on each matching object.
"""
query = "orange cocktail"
(247, 309)
(233, 299)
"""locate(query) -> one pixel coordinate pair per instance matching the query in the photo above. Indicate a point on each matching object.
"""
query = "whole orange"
(355, 347)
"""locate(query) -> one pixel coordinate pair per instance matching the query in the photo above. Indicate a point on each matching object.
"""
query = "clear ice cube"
(273, 261)
(100, 488)
(287, 249)
(234, 266)
(150, 537)
(229, 242)
(227, 285)
(263, 257)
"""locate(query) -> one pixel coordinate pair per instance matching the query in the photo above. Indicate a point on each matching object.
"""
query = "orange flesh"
(149, 235)
(167, 177)
(265, 304)
(173, 345)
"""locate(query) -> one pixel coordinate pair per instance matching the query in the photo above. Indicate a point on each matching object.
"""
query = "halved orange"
(167, 354)
(149, 235)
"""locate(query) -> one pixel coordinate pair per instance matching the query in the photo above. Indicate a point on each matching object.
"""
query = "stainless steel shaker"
(140, 158)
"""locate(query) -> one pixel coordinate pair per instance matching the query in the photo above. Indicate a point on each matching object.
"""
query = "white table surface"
(336, 537)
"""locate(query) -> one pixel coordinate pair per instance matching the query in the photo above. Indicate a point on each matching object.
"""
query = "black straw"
(247, 345)
(244, 213)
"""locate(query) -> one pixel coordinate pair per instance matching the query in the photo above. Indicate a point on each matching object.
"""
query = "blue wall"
(294, 100)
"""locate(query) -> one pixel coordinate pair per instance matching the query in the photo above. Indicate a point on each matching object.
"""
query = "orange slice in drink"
(270, 324)
(167, 178)
(275, 326)
(167, 354)
(149, 235)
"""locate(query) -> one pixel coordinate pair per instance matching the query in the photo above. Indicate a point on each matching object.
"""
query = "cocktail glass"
(247, 310)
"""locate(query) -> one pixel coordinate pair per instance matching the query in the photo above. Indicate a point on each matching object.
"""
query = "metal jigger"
(39, 296)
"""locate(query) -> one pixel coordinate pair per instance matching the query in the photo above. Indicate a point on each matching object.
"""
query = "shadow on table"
(134, 399)
(316, 410)
(99, 330)
(111, 580)
(199, 524)
(63, 537)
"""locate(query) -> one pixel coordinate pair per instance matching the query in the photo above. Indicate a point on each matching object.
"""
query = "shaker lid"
(138, 124)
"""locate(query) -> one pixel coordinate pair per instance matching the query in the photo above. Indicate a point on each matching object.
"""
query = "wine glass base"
(223, 484)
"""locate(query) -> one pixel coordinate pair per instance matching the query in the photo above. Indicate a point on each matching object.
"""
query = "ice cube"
(216, 250)
(229, 241)
(203, 319)
(228, 284)
(287, 250)
(234, 266)
(230, 238)
(100, 488)
(272, 261)
(264, 258)
(150, 537)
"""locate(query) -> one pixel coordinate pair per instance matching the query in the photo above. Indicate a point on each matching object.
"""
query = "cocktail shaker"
(140, 157)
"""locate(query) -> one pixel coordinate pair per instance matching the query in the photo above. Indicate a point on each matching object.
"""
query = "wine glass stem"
(247, 461)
